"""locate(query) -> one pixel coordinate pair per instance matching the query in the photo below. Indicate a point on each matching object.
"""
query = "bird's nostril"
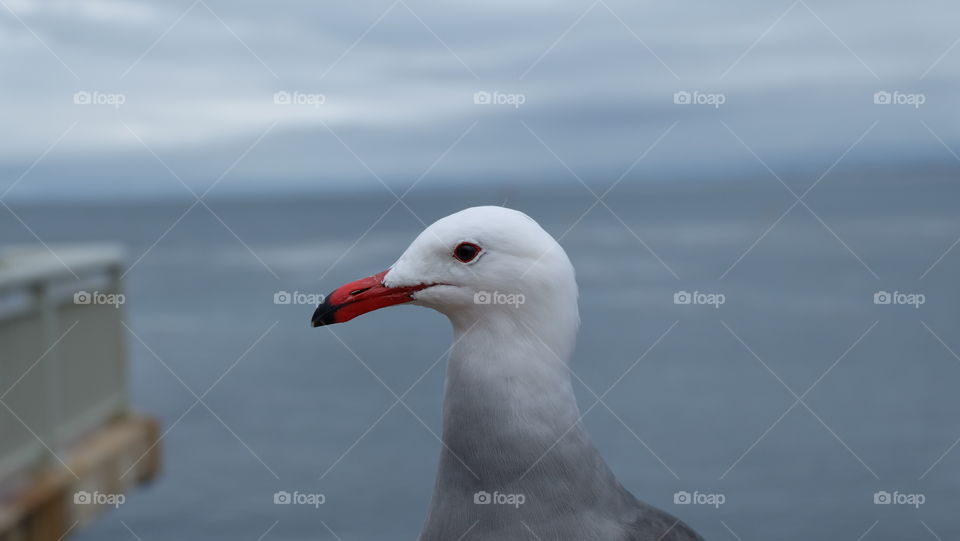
(359, 291)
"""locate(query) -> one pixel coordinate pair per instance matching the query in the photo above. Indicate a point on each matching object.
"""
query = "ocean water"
(712, 408)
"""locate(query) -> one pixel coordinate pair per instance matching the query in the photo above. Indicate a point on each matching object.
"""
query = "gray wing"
(653, 524)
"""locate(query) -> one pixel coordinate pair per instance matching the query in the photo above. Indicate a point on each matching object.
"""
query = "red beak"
(359, 297)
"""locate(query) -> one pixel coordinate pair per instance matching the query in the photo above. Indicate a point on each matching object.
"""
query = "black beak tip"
(325, 314)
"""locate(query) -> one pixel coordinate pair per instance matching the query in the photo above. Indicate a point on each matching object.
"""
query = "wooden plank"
(54, 500)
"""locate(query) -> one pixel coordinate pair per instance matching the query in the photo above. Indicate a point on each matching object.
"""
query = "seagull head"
(479, 263)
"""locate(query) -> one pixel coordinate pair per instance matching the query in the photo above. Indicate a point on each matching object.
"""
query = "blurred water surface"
(701, 411)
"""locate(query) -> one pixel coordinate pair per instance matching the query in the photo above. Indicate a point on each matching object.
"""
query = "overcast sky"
(130, 97)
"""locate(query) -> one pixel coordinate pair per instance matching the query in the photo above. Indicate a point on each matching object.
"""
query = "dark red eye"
(466, 252)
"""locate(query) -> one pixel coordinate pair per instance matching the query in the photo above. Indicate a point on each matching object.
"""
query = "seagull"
(516, 461)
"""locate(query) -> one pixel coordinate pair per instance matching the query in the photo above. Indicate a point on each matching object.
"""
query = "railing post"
(115, 273)
(52, 371)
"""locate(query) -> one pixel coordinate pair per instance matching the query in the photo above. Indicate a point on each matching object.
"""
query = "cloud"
(398, 81)
(106, 11)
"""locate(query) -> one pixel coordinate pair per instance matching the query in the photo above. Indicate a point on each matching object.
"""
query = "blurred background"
(794, 161)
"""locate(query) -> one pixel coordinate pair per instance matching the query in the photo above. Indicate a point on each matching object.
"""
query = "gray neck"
(507, 401)
(511, 423)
